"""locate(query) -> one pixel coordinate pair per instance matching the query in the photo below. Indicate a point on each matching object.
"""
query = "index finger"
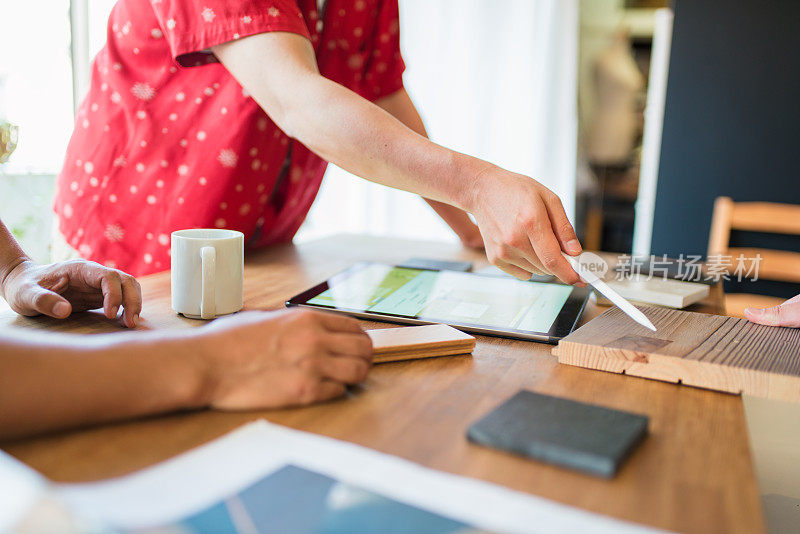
(350, 344)
(340, 323)
(131, 300)
(564, 231)
(548, 250)
(111, 286)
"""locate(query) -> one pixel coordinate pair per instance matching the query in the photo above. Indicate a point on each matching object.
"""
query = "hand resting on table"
(59, 289)
(785, 314)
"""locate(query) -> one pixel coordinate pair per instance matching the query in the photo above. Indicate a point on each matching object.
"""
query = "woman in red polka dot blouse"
(224, 113)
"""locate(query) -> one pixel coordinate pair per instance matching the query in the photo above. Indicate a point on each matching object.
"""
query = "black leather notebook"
(560, 431)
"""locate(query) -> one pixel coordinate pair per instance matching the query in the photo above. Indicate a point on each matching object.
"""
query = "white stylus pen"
(597, 283)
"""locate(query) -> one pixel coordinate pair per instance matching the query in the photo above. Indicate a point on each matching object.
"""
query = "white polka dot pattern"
(163, 143)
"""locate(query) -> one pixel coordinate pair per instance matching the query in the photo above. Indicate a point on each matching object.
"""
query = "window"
(36, 82)
(36, 94)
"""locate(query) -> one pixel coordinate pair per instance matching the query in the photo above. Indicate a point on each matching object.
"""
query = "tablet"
(492, 305)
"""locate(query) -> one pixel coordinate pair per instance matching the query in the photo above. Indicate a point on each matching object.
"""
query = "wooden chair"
(775, 264)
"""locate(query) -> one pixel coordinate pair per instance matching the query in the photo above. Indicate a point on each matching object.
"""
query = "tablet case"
(564, 432)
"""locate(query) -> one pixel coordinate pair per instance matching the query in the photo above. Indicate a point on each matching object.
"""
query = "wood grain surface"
(693, 472)
(696, 349)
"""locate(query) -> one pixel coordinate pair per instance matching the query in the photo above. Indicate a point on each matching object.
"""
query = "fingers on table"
(787, 314)
(120, 289)
(795, 298)
(339, 323)
(322, 390)
(111, 286)
(349, 345)
(335, 347)
(325, 375)
(306, 388)
(46, 302)
(131, 300)
(344, 369)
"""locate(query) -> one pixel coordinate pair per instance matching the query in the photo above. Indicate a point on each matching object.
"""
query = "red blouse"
(167, 139)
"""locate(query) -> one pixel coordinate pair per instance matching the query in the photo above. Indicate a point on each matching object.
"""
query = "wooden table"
(693, 473)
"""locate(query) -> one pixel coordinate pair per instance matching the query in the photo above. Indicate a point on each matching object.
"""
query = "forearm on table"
(11, 255)
(62, 381)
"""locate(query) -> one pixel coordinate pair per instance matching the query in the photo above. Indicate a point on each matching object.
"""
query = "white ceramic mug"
(207, 272)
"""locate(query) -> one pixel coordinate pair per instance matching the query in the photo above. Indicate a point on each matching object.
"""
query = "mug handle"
(208, 305)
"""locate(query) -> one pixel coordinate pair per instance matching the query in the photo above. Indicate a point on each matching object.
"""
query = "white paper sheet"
(199, 478)
(20, 488)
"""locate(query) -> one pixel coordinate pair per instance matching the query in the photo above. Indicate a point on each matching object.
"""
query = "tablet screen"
(448, 297)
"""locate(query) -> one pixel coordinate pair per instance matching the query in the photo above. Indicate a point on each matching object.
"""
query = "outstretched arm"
(400, 106)
(523, 223)
(249, 361)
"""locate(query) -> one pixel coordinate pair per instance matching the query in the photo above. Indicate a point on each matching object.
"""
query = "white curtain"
(496, 79)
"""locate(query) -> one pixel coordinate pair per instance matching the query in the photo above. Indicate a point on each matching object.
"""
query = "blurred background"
(637, 113)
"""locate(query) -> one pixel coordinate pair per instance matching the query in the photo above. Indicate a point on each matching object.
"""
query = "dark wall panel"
(732, 117)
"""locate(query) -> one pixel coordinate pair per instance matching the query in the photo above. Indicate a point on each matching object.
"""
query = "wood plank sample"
(697, 349)
(411, 342)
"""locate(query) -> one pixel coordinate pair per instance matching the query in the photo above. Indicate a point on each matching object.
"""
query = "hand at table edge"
(59, 289)
(785, 314)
